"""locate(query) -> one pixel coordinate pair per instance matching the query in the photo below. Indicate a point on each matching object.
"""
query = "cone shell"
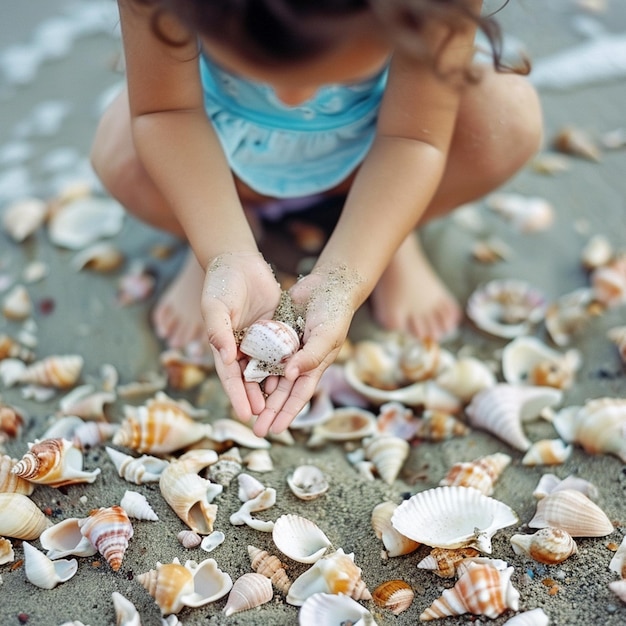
(481, 590)
(248, 591)
(54, 462)
(44, 573)
(395, 543)
(572, 512)
(548, 545)
(60, 372)
(452, 517)
(547, 452)
(140, 470)
(168, 584)
(395, 595)
(10, 482)
(299, 538)
(271, 567)
(480, 474)
(20, 517)
(443, 561)
(109, 530)
(388, 453)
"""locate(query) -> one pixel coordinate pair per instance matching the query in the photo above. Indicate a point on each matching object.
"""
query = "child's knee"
(526, 120)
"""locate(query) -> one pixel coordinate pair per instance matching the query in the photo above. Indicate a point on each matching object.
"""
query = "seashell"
(395, 595)
(548, 545)
(261, 502)
(44, 573)
(527, 360)
(307, 482)
(136, 285)
(506, 307)
(396, 419)
(481, 473)
(529, 214)
(227, 466)
(168, 584)
(550, 164)
(618, 562)
(190, 496)
(439, 426)
(300, 538)
(109, 530)
(375, 364)
(90, 434)
(444, 561)
(481, 590)
(6, 551)
(59, 372)
(395, 543)
(452, 517)
(388, 453)
(550, 483)
(608, 282)
(269, 344)
(258, 461)
(54, 462)
(490, 250)
(65, 539)
(102, 256)
(576, 142)
(501, 409)
(147, 383)
(10, 482)
(126, 613)
(534, 617)
(420, 359)
(23, 217)
(249, 487)
(87, 403)
(212, 541)
(573, 512)
(159, 427)
(35, 271)
(599, 426)
(618, 587)
(141, 470)
(136, 505)
(189, 539)
(335, 573)
(248, 591)
(597, 252)
(232, 431)
(547, 452)
(617, 335)
(568, 315)
(183, 373)
(466, 377)
(20, 517)
(345, 424)
(17, 304)
(13, 349)
(329, 609)
(271, 567)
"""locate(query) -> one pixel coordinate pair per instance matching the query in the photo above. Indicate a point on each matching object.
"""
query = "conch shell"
(444, 562)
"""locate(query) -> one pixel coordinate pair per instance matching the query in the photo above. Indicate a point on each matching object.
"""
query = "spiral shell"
(65, 539)
(481, 590)
(395, 595)
(53, 462)
(307, 482)
(300, 538)
(481, 473)
(140, 470)
(109, 530)
(9, 481)
(60, 372)
(248, 591)
(548, 545)
(136, 505)
(444, 562)
(270, 566)
(227, 466)
(20, 517)
(394, 542)
(439, 426)
(11, 421)
(547, 452)
(43, 572)
(388, 453)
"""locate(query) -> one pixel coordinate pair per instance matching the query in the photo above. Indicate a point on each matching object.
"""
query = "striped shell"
(138, 470)
(20, 517)
(248, 591)
(60, 372)
(10, 482)
(270, 566)
(388, 453)
(482, 473)
(547, 452)
(548, 545)
(227, 466)
(443, 562)
(11, 421)
(136, 505)
(395, 595)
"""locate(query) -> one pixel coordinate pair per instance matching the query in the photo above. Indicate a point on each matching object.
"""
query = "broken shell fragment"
(330, 609)
(126, 613)
(534, 617)
(548, 545)
(7, 555)
(43, 572)
(439, 425)
(598, 251)
(300, 538)
(65, 539)
(226, 467)
(248, 591)
(138, 470)
(618, 562)
(395, 595)
(262, 501)
(307, 482)
(212, 541)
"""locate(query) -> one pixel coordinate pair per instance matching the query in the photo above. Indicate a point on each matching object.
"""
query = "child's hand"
(328, 300)
(239, 289)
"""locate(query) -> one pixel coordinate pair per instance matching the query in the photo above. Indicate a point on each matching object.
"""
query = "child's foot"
(410, 296)
(177, 317)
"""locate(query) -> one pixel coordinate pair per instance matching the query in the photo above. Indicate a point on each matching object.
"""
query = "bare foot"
(177, 317)
(410, 296)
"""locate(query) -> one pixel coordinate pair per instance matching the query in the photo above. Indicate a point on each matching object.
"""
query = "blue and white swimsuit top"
(287, 151)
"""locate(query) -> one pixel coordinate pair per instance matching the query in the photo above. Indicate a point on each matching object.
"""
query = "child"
(233, 103)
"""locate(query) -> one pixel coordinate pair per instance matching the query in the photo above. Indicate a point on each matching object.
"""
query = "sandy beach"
(59, 65)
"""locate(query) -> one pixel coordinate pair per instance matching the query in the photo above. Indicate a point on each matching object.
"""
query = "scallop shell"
(109, 530)
(20, 517)
(17, 304)
(6, 551)
(65, 539)
(102, 256)
(481, 590)
(345, 424)
(617, 335)
(271, 567)
(388, 453)
(9, 482)
(329, 609)
(500, 410)
(60, 372)
(269, 344)
(466, 377)
(534, 617)
(548, 545)
(227, 466)
(126, 613)
(262, 501)
(138, 470)
(248, 591)
(547, 452)
(439, 426)
(23, 217)
(189, 539)
(54, 462)
(395, 543)
(395, 595)
(335, 573)
(482, 473)
(599, 426)
(506, 307)
(307, 482)
(43, 572)
(136, 505)
(452, 517)
(299, 538)
(444, 561)
(618, 562)
(572, 512)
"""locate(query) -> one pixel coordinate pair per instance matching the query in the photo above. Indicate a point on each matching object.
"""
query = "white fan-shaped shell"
(65, 539)
(452, 517)
(126, 613)
(330, 609)
(136, 505)
(307, 482)
(43, 572)
(299, 538)
(248, 591)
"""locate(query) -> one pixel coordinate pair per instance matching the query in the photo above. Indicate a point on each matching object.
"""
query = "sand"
(76, 312)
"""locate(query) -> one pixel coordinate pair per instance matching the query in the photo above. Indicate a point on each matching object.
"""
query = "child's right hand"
(239, 289)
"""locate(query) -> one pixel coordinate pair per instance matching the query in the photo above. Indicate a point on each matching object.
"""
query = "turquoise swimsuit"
(291, 151)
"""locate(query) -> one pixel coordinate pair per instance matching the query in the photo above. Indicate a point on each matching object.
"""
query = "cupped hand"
(239, 289)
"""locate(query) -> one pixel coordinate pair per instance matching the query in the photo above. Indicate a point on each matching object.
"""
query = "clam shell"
(534, 617)
(329, 609)
(444, 561)
(10, 482)
(547, 452)
(307, 482)
(109, 530)
(395, 543)
(345, 424)
(141, 470)
(23, 217)
(388, 453)
(395, 595)
(248, 591)
(548, 545)
(65, 539)
(572, 512)
(481, 590)
(6, 551)
(452, 517)
(299, 538)
(466, 377)
(550, 483)
(20, 517)
(500, 410)
(482, 473)
(506, 307)
(61, 371)
(43, 572)
(126, 613)
(269, 566)
(136, 505)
